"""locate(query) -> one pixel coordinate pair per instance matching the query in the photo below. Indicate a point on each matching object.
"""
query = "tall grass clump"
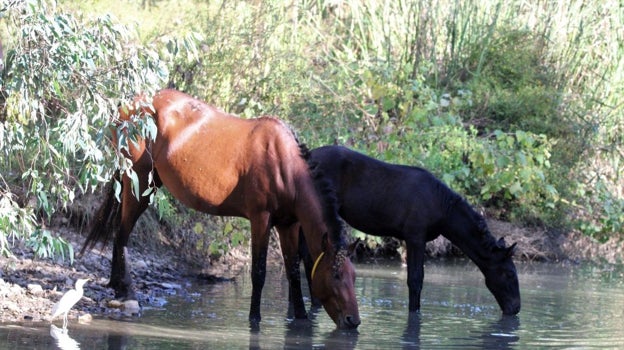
(456, 86)
(504, 100)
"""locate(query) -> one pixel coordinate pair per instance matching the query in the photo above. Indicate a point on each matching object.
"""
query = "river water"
(563, 307)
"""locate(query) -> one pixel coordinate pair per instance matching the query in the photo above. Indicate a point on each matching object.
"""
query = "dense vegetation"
(515, 104)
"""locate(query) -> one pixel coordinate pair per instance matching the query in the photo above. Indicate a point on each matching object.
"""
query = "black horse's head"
(469, 231)
(501, 277)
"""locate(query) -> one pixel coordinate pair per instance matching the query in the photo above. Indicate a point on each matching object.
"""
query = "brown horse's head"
(140, 104)
(333, 280)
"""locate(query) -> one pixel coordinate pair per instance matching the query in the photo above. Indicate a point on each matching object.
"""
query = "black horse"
(411, 204)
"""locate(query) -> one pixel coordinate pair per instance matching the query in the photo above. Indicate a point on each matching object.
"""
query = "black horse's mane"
(454, 201)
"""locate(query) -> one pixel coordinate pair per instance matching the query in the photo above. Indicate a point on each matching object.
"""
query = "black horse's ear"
(512, 249)
(501, 242)
(353, 246)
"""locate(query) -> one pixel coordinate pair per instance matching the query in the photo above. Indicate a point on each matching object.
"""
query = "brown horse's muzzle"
(349, 322)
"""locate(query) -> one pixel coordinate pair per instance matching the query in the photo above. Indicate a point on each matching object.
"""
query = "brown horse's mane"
(329, 200)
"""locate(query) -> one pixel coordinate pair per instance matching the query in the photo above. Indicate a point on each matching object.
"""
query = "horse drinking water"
(223, 165)
(409, 203)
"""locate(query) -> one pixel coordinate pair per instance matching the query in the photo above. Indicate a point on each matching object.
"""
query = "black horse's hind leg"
(289, 237)
(415, 273)
(304, 255)
(131, 209)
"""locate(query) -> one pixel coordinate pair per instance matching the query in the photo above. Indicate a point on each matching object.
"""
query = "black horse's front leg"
(289, 241)
(304, 255)
(295, 293)
(415, 273)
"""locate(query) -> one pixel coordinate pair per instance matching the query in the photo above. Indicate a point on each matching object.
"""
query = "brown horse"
(224, 165)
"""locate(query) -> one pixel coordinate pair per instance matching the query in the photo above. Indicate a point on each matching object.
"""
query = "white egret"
(68, 300)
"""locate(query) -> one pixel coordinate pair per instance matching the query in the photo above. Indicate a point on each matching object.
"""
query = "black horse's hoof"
(254, 325)
(301, 315)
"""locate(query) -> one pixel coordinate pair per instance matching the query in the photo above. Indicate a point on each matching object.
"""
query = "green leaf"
(515, 189)
(134, 179)
(117, 188)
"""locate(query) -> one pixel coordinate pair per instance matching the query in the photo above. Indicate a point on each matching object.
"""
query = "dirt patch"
(533, 244)
(29, 287)
(537, 243)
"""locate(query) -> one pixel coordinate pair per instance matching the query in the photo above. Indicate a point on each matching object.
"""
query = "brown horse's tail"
(107, 218)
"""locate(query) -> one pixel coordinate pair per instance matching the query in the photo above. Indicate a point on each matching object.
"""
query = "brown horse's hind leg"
(131, 209)
(260, 230)
(289, 241)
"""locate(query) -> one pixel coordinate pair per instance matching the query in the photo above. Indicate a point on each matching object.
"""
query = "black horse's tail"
(107, 218)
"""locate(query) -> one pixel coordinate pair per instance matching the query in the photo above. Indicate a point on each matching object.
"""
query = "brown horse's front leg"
(259, 246)
(289, 241)
(131, 209)
(415, 273)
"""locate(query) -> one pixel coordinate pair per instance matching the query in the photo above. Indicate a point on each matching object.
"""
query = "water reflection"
(299, 334)
(303, 334)
(117, 341)
(457, 312)
(502, 334)
(411, 334)
(62, 338)
(254, 339)
(342, 339)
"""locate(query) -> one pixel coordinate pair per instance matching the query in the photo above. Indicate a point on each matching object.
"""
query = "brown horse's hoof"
(131, 308)
(127, 307)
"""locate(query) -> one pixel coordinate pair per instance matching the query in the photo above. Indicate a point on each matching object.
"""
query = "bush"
(60, 84)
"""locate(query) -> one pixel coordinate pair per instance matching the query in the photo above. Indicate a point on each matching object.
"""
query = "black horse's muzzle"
(512, 308)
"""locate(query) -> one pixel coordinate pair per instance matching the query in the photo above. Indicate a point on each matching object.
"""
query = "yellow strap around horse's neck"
(318, 260)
